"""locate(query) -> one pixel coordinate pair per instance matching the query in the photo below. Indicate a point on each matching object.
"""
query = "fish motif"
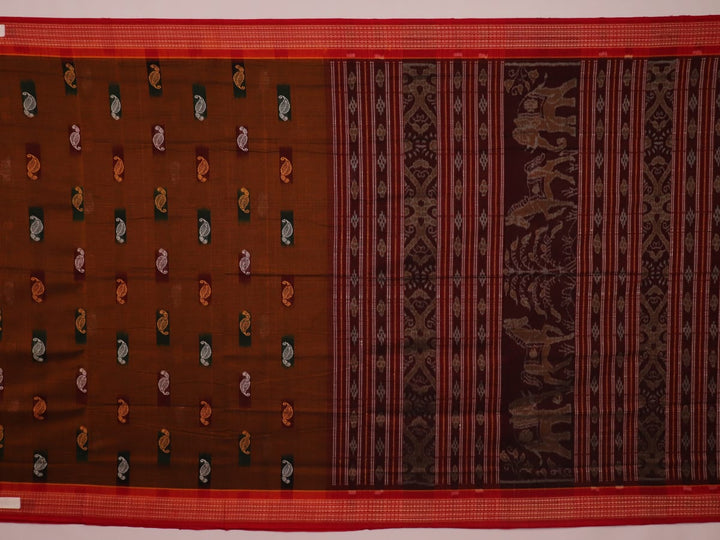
(164, 383)
(123, 410)
(38, 349)
(244, 443)
(75, 137)
(118, 168)
(154, 76)
(122, 352)
(161, 262)
(286, 471)
(244, 263)
(205, 353)
(242, 138)
(203, 230)
(245, 324)
(80, 260)
(115, 107)
(288, 354)
(244, 201)
(77, 199)
(286, 231)
(203, 167)
(286, 169)
(288, 414)
(32, 166)
(245, 384)
(164, 441)
(161, 199)
(121, 291)
(82, 439)
(120, 230)
(205, 292)
(204, 471)
(288, 293)
(123, 468)
(239, 77)
(29, 104)
(205, 413)
(39, 465)
(163, 322)
(200, 107)
(80, 321)
(36, 228)
(158, 138)
(39, 408)
(283, 108)
(69, 76)
(37, 289)
(81, 380)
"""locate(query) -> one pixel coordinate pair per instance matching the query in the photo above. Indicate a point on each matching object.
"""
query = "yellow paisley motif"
(287, 414)
(118, 168)
(33, 166)
(285, 169)
(2, 435)
(244, 201)
(205, 413)
(82, 439)
(123, 410)
(77, 198)
(163, 322)
(121, 291)
(203, 167)
(239, 76)
(69, 75)
(245, 324)
(161, 200)
(288, 293)
(37, 289)
(39, 408)
(80, 321)
(205, 292)
(164, 441)
(245, 443)
(154, 77)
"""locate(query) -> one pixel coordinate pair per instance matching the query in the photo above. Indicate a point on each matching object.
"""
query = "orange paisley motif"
(163, 322)
(205, 413)
(123, 410)
(39, 408)
(285, 170)
(288, 293)
(37, 289)
(82, 439)
(203, 167)
(80, 321)
(121, 291)
(118, 168)
(245, 324)
(33, 166)
(287, 414)
(245, 443)
(205, 292)
(164, 441)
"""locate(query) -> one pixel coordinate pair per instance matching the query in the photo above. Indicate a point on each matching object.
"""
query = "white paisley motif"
(120, 230)
(161, 261)
(203, 230)
(29, 104)
(36, 228)
(80, 260)
(288, 353)
(287, 471)
(158, 138)
(38, 349)
(242, 138)
(75, 137)
(286, 232)
(122, 351)
(200, 107)
(244, 263)
(122, 468)
(115, 106)
(283, 108)
(39, 465)
(164, 383)
(205, 470)
(245, 384)
(205, 353)
(81, 381)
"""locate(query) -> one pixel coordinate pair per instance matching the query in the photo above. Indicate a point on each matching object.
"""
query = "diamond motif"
(354, 220)
(457, 278)
(354, 278)
(354, 334)
(481, 334)
(458, 105)
(621, 331)
(599, 159)
(380, 392)
(624, 159)
(687, 330)
(456, 335)
(626, 105)
(623, 218)
(484, 159)
(483, 219)
(382, 221)
(595, 331)
(482, 104)
(691, 157)
(693, 102)
(600, 104)
(598, 217)
(381, 335)
(380, 106)
(352, 105)
(458, 161)
(381, 162)
(381, 279)
(354, 161)
(458, 220)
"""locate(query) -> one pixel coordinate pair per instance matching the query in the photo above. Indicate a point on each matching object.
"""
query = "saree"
(327, 275)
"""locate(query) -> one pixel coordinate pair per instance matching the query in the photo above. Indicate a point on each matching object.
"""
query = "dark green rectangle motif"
(283, 95)
(287, 228)
(37, 223)
(77, 201)
(239, 81)
(204, 227)
(199, 102)
(244, 449)
(205, 350)
(243, 200)
(115, 102)
(29, 98)
(245, 328)
(162, 327)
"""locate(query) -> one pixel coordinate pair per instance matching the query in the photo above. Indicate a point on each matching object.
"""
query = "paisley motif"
(40, 465)
(123, 411)
(82, 439)
(288, 353)
(121, 290)
(288, 293)
(154, 76)
(161, 261)
(203, 230)
(37, 289)
(204, 471)
(164, 441)
(204, 292)
(123, 467)
(120, 230)
(245, 384)
(69, 76)
(245, 324)
(118, 168)
(32, 166)
(200, 106)
(36, 228)
(287, 231)
(244, 443)
(77, 200)
(115, 107)
(122, 351)
(75, 137)
(79, 260)
(239, 76)
(242, 138)
(286, 471)
(244, 201)
(158, 138)
(283, 108)
(38, 349)
(39, 408)
(205, 353)
(163, 383)
(29, 104)
(244, 263)
(162, 323)
(203, 167)
(286, 169)
(288, 414)
(81, 380)
(80, 321)
(161, 200)
(205, 413)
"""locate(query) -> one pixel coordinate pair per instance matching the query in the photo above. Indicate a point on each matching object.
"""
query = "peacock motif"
(239, 76)
(164, 441)
(69, 76)
(77, 199)
(244, 324)
(154, 76)
(163, 322)
(244, 201)
(80, 321)
(244, 443)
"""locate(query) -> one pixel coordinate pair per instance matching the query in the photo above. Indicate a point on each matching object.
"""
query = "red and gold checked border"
(342, 510)
(335, 38)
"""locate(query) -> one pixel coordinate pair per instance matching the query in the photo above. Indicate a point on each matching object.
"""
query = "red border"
(347, 38)
(346, 510)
